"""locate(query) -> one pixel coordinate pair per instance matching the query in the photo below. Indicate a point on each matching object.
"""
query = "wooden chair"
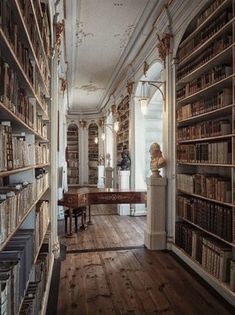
(77, 212)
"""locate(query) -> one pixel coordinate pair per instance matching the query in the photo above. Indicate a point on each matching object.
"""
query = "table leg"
(89, 222)
(83, 226)
(70, 223)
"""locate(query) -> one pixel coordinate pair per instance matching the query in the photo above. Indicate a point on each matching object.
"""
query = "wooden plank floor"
(130, 281)
(108, 231)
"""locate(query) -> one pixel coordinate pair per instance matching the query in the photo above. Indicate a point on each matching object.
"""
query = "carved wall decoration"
(146, 67)
(90, 88)
(80, 33)
(113, 109)
(101, 122)
(164, 46)
(63, 84)
(130, 86)
(124, 38)
(59, 33)
(82, 124)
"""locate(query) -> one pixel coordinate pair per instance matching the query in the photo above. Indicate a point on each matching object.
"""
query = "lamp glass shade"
(103, 136)
(96, 140)
(116, 126)
(144, 105)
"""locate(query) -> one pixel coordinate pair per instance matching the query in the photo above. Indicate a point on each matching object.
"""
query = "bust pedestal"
(155, 231)
(100, 183)
(124, 184)
(108, 177)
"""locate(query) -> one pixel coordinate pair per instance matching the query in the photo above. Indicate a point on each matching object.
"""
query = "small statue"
(125, 163)
(157, 159)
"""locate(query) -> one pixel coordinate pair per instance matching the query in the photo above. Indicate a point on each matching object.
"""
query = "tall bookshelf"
(93, 152)
(73, 154)
(123, 114)
(205, 148)
(25, 253)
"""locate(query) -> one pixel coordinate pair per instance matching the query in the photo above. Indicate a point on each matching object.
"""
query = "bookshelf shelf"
(22, 220)
(214, 13)
(221, 57)
(205, 98)
(39, 33)
(207, 232)
(12, 59)
(93, 152)
(27, 37)
(219, 286)
(25, 159)
(72, 155)
(216, 113)
(46, 292)
(206, 164)
(22, 169)
(206, 139)
(208, 91)
(205, 198)
(207, 42)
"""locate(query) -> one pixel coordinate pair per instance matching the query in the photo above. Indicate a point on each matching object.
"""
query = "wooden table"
(83, 197)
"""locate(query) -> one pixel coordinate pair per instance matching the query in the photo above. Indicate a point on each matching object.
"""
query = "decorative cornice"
(163, 46)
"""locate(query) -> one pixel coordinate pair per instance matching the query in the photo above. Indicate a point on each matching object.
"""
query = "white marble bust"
(157, 159)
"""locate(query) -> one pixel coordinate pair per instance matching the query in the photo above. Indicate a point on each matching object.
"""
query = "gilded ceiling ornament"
(59, 33)
(113, 109)
(130, 86)
(82, 124)
(101, 122)
(63, 84)
(146, 67)
(163, 46)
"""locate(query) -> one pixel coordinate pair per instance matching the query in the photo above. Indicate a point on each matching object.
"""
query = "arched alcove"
(72, 155)
(93, 152)
(147, 128)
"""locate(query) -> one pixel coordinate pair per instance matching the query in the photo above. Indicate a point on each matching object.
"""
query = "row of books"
(16, 200)
(214, 152)
(16, 152)
(42, 153)
(210, 216)
(206, 185)
(12, 30)
(33, 299)
(6, 146)
(208, 128)
(41, 126)
(16, 262)
(72, 163)
(208, 11)
(214, 256)
(210, 52)
(204, 34)
(15, 97)
(212, 76)
(221, 99)
(41, 221)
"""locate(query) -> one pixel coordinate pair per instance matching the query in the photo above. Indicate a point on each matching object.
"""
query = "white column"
(155, 231)
(54, 162)
(124, 184)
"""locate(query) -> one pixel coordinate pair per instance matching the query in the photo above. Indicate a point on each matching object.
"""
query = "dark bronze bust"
(125, 163)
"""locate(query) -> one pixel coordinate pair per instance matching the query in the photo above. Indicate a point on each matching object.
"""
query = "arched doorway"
(148, 128)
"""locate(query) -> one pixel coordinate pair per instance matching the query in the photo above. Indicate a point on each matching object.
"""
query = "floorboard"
(106, 270)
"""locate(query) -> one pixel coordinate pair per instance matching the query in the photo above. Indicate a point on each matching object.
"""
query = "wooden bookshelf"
(24, 143)
(73, 154)
(93, 153)
(122, 138)
(205, 151)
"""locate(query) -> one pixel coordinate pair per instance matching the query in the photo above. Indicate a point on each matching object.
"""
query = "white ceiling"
(97, 34)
